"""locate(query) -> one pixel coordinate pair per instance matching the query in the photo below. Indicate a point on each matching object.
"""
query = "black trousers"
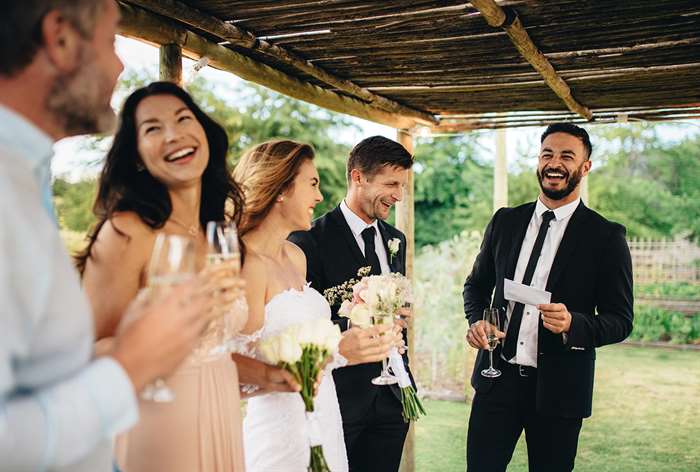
(375, 441)
(499, 416)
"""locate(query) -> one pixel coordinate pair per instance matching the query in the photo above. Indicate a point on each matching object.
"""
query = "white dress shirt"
(357, 225)
(59, 407)
(526, 350)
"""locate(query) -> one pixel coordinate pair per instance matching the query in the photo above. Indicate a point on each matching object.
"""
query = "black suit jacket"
(591, 274)
(333, 257)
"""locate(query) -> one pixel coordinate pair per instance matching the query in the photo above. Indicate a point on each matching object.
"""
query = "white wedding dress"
(276, 432)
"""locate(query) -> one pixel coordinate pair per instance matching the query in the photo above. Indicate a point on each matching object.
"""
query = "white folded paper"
(524, 294)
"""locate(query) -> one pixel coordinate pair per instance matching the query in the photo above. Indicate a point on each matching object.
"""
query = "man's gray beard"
(76, 103)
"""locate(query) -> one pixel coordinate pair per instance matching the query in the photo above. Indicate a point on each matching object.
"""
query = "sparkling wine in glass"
(492, 324)
(223, 248)
(222, 238)
(172, 263)
(385, 378)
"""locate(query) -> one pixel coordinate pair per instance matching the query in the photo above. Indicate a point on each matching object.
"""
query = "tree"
(453, 189)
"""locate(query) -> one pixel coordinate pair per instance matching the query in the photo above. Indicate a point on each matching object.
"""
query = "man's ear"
(62, 42)
(356, 176)
(587, 167)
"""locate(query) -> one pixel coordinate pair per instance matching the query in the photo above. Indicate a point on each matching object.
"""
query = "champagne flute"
(172, 263)
(385, 378)
(492, 324)
(222, 239)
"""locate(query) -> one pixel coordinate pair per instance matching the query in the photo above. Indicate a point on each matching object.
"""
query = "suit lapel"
(572, 236)
(393, 261)
(517, 236)
(346, 234)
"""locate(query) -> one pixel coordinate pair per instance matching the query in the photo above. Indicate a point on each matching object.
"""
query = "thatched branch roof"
(425, 60)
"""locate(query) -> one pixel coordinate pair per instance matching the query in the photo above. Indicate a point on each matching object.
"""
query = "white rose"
(345, 308)
(270, 351)
(289, 349)
(360, 315)
(319, 330)
(304, 333)
(394, 245)
(332, 339)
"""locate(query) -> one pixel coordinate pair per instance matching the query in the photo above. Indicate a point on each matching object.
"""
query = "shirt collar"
(30, 143)
(357, 225)
(560, 213)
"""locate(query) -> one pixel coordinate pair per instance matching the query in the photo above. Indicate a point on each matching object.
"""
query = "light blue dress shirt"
(59, 407)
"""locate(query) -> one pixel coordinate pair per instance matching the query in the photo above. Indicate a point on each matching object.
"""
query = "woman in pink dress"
(166, 172)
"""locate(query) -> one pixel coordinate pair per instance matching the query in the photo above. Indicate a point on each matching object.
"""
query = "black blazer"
(333, 257)
(591, 272)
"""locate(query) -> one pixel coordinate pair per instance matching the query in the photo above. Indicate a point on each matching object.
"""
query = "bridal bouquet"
(381, 294)
(302, 350)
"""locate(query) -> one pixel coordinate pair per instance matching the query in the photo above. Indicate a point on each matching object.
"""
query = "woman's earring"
(280, 198)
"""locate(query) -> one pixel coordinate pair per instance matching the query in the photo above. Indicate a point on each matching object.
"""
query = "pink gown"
(200, 431)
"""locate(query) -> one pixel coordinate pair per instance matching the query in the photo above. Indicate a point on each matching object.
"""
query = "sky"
(73, 160)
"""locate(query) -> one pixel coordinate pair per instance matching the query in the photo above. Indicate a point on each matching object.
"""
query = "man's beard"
(77, 99)
(573, 180)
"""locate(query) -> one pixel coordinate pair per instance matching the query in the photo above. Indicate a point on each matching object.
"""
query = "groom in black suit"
(547, 353)
(351, 236)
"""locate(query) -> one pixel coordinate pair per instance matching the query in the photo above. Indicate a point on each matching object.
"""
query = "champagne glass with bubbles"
(222, 237)
(172, 263)
(223, 248)
(492, 324)
(386, 377)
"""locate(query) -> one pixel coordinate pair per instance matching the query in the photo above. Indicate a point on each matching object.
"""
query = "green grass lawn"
(646, 417)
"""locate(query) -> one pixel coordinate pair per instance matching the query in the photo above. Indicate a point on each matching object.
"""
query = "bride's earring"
(280, 198)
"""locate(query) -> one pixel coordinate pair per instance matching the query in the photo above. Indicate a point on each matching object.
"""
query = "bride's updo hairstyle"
(264, 172)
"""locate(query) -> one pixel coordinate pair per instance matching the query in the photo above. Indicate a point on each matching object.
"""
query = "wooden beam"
(242, 38)
(500, 172)
(171, 63)
(496, 17)
(405, 223)
(141, 24)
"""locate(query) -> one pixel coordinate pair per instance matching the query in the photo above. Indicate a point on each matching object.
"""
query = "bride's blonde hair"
(264, 172)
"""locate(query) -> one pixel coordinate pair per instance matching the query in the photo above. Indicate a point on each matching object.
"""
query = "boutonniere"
(394, 244)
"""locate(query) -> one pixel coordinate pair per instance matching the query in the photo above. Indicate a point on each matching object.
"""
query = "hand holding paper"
(524, 294)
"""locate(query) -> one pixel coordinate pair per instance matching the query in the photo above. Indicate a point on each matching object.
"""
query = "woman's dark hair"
(124, 185)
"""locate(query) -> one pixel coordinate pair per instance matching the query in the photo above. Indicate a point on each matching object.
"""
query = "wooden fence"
(665, 261)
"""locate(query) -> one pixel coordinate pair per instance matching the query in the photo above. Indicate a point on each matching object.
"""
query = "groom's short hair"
(21, 35)
(371, 154)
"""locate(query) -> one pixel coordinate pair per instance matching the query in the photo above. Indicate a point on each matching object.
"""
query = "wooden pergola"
(448, 66)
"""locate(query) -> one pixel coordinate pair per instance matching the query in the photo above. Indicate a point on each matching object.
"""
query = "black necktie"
(516, 317)
(370, 253)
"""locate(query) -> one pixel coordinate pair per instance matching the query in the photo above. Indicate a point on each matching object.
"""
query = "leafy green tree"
(73, 203)
(453, 189)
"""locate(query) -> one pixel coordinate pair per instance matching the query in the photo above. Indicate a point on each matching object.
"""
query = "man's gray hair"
(20, 27)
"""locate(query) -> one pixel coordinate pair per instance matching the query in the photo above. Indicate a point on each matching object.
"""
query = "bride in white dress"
(281, 188)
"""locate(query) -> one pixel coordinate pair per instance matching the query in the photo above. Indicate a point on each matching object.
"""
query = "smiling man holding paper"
(561, 276)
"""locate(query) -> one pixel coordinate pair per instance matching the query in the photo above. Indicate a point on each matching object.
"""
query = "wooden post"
(405, 223)
(500, 172)
(171, 63)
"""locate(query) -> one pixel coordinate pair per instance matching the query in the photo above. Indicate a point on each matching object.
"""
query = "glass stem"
(491, 359)
(385, 368)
